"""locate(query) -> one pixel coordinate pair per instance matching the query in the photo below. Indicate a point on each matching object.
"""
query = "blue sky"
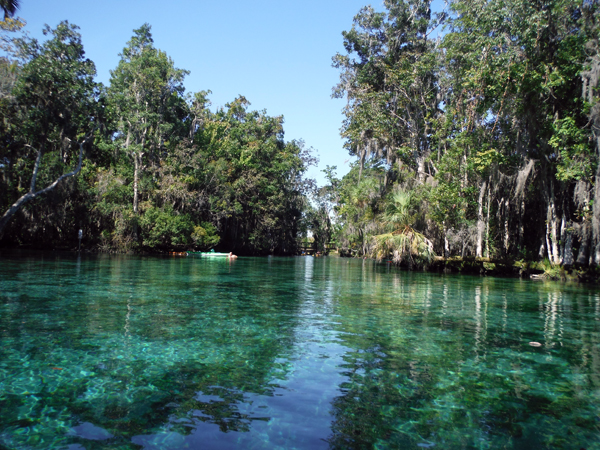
(275, 53)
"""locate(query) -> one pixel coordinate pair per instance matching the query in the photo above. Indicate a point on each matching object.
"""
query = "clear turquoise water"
(106, 352)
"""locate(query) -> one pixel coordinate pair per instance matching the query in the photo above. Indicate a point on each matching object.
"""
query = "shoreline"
(469, 265)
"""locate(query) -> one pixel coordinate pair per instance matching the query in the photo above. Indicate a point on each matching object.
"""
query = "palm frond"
(398, 212)
(404, 246)
(9, 7)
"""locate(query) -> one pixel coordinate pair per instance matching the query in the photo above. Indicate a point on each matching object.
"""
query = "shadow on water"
(460, 371)
(135, 352)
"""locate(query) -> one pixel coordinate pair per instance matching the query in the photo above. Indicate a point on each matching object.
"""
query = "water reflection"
(129, 352)
(417, 387)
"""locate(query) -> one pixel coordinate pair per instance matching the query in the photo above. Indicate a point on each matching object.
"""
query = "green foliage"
(165, 173)
(404, 247)
(398, 212)
(165, 229)
(483, 160)
(146, 95)
(317, 221)
(403, 244)
(487, 127)
(205, 236)
(447, 204)
(389, 79)
(487, 137)
(551, 271)
(575, 154)
(55, 93)
(48, 104)
(357, 208)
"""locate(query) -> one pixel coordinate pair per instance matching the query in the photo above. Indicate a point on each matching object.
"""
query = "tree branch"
(32, 193)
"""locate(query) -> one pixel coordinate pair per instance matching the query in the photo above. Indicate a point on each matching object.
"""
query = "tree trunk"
(552, 228)
(136, 179)
(480, 222)
(519, 198)
(32, 192)
(590, 84)
(521, 231)
(552, 235)
(362, 163)
(137, 163)
(562, 241)
(487, 221)
(420, 160)
(595, 254)
(446, 246)
(542, 250)
(584, 247)
(568, 250)
(506, 226)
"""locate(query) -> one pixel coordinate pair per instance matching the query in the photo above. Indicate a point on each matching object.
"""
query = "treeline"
(482, 142)
(138, 165)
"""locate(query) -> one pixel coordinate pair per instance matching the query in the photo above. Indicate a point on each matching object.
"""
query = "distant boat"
(208, 254)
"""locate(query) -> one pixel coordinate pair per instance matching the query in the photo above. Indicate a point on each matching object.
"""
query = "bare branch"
(32, 193)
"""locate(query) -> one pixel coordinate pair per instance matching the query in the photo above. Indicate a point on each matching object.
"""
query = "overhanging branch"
(32, 192)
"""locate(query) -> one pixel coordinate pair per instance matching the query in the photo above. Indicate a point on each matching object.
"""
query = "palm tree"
(402, 243)
(359, 209)
(9, 7)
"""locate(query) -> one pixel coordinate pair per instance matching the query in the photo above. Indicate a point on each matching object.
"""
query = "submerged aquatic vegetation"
(297, 352)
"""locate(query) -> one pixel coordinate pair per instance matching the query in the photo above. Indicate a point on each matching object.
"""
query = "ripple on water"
(123, 352)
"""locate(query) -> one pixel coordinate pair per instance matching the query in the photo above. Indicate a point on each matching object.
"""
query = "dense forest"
(481, 141)
(138, 165)
(476, 132)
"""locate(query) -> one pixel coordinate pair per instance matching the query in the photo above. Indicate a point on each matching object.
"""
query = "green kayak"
(209, 254)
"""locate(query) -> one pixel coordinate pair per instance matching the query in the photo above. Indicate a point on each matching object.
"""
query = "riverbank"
(535, 270)
(541, 270)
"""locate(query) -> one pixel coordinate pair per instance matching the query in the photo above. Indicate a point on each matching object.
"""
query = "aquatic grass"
(284, 353)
